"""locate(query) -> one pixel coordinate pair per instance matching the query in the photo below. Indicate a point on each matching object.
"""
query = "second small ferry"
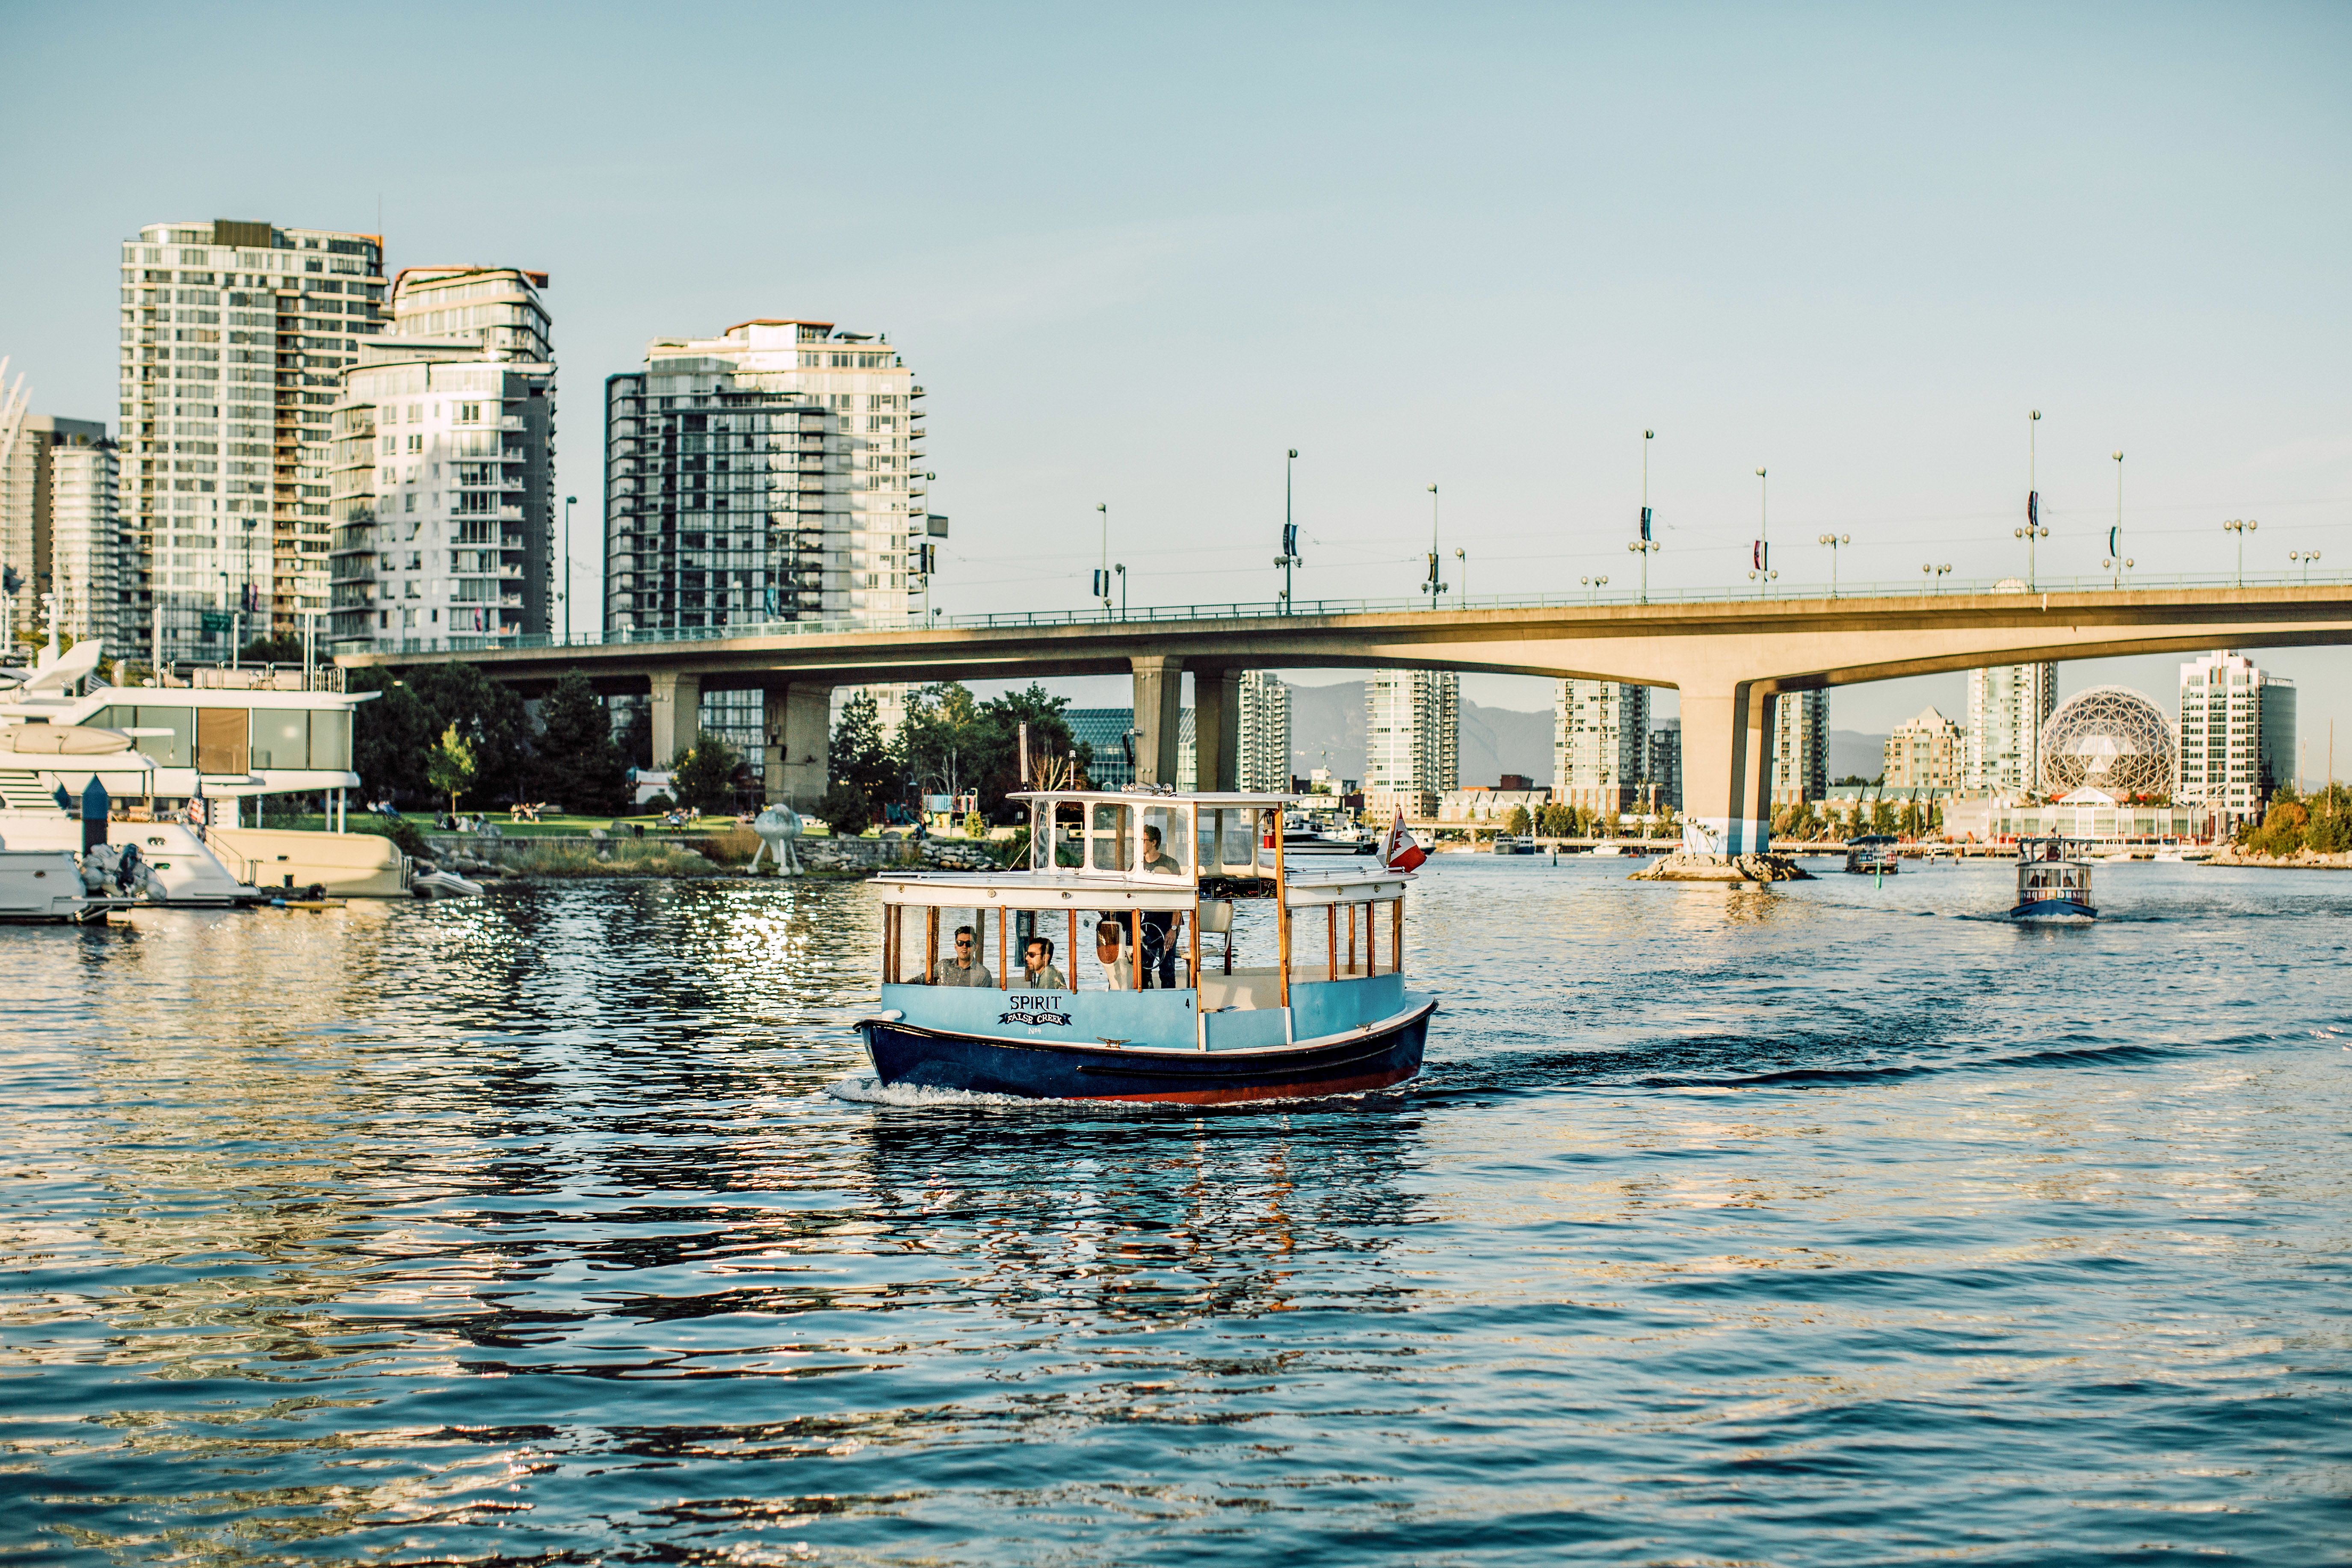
(987, 987)
(2053, 881)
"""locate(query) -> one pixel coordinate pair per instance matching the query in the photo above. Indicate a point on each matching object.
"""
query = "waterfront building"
(442, 473)
(1600, 743)
(1926, 751)
(1104, 731)
(236, 337)
(767, 474)
(2085, 812)
(1666, 764)
(85, 540)
(2008, 706)
(59, 473)
(1490, 804)
(2237, 737)
(1800, 742)
(1263, 759)
(1412, 741)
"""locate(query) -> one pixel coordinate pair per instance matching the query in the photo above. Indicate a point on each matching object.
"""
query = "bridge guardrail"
(1147, 615)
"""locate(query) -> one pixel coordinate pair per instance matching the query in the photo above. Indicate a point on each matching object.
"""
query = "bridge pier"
(676, 714)
(1727, 765)
(799, 720)
(1216, 729)
(1159, 715)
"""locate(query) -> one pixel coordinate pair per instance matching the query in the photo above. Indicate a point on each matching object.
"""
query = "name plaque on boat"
(1035, 1010)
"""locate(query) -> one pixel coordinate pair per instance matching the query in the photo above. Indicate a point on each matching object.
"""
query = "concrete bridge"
(1727, 657)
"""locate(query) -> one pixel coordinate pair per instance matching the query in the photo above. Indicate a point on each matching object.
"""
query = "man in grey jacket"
(965, 968)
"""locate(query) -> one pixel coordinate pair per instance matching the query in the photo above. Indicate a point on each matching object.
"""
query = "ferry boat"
(2053, 882)
(1150, 1003)
(1872, 855)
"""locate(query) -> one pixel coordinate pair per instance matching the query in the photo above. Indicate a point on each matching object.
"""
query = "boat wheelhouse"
(2053, 881)
(1872, 855)
(1154, 912)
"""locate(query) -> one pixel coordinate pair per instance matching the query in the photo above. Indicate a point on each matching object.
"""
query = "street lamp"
(1936, 573)
(1121, 569)
(2033, 529)
(2242, 526)
(564, 592)
(1592, 585)
(2307, 557)
(1436, 583)
(1462, 573)
(1289, 556)
(1643, 548)
(1102, 573)
(1836, 541)
(2115, 534)
(1762, 574)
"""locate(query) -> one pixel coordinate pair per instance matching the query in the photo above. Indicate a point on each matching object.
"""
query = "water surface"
(1831, 1223)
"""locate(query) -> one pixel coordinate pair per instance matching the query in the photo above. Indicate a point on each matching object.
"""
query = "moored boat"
(2053, 882)
(1169, 1015)
(1872, 855)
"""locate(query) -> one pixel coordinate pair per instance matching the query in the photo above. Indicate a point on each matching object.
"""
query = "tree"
(999, 729)
(392, 736)
(283, 649)
(451, 766)
(579, 764)
(491, 718)
(1556, 821)
(942, 739)
(858, 754)
(704, 777)
(1520, 823)
(845, 809)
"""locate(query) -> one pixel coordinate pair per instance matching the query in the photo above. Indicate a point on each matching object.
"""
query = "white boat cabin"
(1167, 921)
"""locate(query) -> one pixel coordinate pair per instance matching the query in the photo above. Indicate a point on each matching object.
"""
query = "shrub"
(733, 847)
(401, 831)
(658, 804)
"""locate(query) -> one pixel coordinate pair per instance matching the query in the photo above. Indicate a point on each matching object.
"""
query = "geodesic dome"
(2110, 738)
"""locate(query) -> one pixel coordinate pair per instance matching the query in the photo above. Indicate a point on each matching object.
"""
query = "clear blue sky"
(1134, 255)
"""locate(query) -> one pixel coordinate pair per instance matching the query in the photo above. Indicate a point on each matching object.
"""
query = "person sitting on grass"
(965, 968)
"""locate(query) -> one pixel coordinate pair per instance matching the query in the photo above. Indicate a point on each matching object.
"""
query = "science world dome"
(2111, 738)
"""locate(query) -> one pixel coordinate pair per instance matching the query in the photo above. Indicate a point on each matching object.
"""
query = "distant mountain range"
(1326, 730)
(1855, 754)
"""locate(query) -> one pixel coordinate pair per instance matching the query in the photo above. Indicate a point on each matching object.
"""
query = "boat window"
(221, 745)
(281, 738)
(1110, 833)
(331, 738)
(1166, 847)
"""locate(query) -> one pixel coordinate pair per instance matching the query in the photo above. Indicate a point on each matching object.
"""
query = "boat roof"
(1306, 884)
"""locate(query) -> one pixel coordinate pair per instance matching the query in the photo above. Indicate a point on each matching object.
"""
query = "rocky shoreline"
(2301, 861)
(1685, 866)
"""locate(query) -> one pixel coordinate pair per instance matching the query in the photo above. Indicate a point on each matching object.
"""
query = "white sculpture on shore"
(777, 827)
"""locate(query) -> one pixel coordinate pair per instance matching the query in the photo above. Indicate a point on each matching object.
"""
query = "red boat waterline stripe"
(1259, 1091)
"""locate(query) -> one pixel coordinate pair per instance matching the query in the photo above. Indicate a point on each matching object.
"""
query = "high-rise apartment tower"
(236, 337)
(59, 474)
(1924, 752)
(770, 473)
(1599, 744)
(1263, 759)
(2008, 706)
(444, 468)
(1413, 739)
(1799, 742)
(2237, 736)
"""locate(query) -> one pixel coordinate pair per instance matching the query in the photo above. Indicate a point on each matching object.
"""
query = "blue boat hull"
(905, 1053)
(2054, 910)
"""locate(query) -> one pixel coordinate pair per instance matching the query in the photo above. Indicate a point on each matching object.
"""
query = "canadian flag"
(1397, 850)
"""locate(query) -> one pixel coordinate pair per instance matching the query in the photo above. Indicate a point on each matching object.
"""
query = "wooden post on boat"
(1331, 931)
(1070, 955)
(1194, 976)
(1135, 950)
(1003, 973)
(1282, 913)
(1396, 938)
(931, 944)
(1351, 937)
(890, 945)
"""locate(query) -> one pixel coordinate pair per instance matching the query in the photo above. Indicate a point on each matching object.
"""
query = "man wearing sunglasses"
(965, 968)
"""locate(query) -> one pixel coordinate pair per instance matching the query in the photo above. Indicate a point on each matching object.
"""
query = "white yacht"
(222, 735)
